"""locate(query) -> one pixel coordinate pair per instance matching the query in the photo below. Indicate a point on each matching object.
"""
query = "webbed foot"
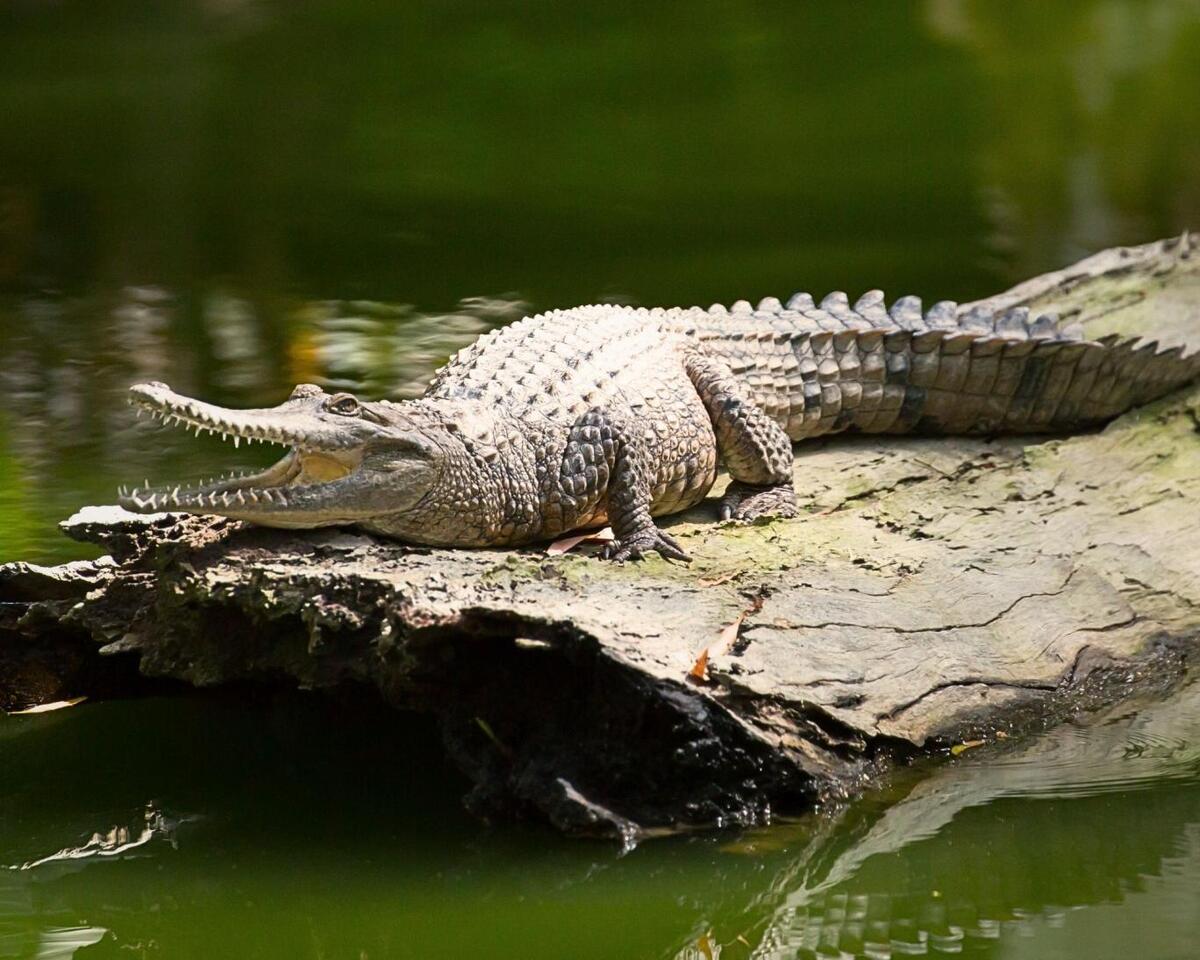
(744, 501)
(643, 542)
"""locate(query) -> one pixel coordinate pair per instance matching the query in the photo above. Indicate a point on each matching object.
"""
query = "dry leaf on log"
(570, 543)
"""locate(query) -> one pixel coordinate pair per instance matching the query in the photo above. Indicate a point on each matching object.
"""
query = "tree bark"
(936, 591)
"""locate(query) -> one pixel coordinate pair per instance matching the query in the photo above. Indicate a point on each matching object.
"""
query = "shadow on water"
(303, 826)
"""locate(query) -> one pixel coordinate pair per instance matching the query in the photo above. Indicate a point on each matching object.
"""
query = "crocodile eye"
(345, 404)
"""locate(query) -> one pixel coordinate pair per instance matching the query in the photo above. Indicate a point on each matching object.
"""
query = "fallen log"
(935, 592)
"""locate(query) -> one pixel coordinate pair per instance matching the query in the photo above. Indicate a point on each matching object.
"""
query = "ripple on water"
(1130, 751)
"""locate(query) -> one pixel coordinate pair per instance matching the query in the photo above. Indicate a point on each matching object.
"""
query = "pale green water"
(203, 192)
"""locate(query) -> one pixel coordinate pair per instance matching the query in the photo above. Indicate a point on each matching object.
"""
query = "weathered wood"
(936, 590)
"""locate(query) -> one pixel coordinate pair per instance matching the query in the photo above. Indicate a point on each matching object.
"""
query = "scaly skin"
(596, 414)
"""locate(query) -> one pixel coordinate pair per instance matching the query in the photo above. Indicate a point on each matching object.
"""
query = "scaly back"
(823, 368)
(819, 369)
(558, 364)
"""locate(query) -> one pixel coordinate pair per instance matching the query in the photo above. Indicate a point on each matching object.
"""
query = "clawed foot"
(745, 502)
(643, 542)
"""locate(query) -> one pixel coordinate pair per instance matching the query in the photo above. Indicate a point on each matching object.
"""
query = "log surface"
(935, 590)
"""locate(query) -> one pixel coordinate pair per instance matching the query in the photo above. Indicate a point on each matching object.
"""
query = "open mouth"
(303, 466)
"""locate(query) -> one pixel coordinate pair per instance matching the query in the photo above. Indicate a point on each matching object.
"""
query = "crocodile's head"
(348, 461)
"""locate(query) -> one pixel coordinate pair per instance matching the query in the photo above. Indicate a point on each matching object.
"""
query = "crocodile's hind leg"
(606, 460)
(755, 449)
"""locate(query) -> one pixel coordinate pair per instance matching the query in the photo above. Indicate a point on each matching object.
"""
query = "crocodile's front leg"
(606, 462)
(755, 449)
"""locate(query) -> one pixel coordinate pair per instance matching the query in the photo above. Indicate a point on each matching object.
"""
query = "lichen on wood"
(935, 590)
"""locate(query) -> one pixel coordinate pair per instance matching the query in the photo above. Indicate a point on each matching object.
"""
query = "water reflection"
(119, 841)
(386, 350)
(316, 839)
(995, 850)
(1078, 98)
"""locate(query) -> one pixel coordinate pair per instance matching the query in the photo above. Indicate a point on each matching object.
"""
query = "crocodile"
(578, 417)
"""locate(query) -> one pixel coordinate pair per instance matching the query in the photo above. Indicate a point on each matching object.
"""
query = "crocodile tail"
(967, 381)
(823, 369)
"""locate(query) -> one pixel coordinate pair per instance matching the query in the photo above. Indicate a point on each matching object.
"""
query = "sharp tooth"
(236, 441)
(240, 497)
(175, 494)
(153, 501)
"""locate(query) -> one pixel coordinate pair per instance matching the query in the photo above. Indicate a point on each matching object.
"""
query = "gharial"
(571, 418)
